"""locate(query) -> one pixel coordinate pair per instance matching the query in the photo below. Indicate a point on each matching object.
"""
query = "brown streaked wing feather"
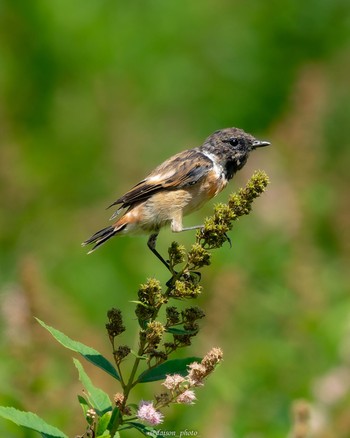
(181, 170)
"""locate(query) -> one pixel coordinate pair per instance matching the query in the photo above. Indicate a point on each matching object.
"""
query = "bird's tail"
(102, 236)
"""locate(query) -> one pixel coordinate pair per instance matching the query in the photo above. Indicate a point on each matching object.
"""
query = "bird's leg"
(152, 246)
(195, 227)
(151, 243)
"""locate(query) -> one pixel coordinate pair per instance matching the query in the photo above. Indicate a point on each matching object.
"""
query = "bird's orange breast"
(204, 190)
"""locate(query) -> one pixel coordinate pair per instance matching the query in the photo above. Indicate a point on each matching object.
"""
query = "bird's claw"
(228, 239)
(170, 282)
(194, 276)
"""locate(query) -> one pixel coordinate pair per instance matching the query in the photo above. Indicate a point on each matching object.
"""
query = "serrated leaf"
(175, 366)
(31, 421)
(89, 353)
(179, 331)
(98, 399)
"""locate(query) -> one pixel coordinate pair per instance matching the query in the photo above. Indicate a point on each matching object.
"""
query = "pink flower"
(147, 412)
(188, 397)
(173, 381)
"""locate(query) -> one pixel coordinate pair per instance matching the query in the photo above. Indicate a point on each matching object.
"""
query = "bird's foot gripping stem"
(228, 239)
(192, 276)
(186, 276)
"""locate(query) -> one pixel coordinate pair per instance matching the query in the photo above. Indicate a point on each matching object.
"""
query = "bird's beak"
(260, 144)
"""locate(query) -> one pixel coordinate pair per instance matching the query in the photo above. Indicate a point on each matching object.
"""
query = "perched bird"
(177, 187)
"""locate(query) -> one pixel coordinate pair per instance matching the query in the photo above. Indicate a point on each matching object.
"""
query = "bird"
(177, 187)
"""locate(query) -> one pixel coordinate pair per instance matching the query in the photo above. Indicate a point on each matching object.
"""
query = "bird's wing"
(179, 171)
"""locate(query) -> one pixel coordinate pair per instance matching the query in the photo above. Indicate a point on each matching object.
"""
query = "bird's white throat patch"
(218, 169)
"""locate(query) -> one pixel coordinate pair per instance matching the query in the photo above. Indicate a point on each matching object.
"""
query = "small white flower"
(91, 414)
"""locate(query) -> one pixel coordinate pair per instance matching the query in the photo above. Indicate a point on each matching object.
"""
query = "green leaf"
(114, 417)
(103, 423)
(31, 421)
(175, 366)
(179, 331)
(105, 434)
(145, 430)
(139, 302)
(84, 404)
(98, 399)
(89, 353)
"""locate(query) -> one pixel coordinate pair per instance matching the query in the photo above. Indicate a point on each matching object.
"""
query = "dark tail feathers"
(102, 236)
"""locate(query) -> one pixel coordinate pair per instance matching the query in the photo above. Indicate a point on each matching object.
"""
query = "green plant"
(158, 338)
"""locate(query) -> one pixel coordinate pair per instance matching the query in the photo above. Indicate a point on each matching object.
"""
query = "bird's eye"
(233, 141)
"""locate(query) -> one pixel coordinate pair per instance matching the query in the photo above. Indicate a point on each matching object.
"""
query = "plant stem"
(131, 382)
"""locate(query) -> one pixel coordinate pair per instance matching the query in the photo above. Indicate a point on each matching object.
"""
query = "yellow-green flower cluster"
(185, 289)
(198, 256)
(177, 254)
(214, 232)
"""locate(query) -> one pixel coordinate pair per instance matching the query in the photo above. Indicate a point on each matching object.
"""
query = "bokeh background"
(93, 95)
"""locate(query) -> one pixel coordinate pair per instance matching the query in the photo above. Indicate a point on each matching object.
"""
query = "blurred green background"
(93, 95)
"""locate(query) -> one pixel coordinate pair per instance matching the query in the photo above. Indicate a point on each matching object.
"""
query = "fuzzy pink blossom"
(173, 381)
(188, 397)
(147, 412)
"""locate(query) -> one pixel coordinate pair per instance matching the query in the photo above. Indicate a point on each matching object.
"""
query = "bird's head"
(236, 139)
(232, 146)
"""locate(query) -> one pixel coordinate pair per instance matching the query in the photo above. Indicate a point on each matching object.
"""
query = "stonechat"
(177, 187)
